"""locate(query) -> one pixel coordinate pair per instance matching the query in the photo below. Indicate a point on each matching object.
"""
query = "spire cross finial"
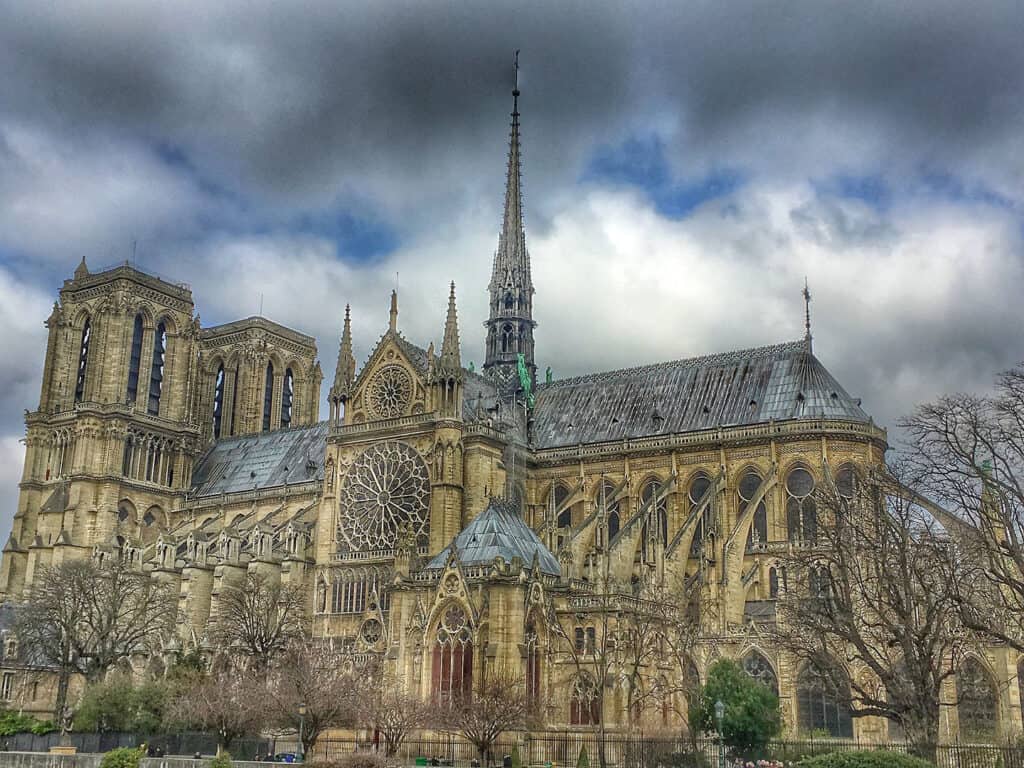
(807, 313)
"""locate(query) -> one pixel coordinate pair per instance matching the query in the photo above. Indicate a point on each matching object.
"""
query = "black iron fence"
(562, 750)
(169, 744)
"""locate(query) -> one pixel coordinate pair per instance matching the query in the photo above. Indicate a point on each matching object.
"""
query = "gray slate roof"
(265, 460)
(751, 386)
(498, 531)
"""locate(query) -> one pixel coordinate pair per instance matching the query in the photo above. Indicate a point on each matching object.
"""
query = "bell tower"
(510, 323)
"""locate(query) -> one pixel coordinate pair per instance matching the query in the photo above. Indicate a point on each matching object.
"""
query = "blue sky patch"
(641, 162)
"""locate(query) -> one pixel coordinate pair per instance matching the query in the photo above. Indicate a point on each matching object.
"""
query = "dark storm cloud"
(396, 101)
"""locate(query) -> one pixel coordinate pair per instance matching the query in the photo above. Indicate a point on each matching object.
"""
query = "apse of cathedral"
(439, 514)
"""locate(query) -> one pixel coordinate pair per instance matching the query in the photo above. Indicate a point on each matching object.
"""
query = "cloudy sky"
(686, 165)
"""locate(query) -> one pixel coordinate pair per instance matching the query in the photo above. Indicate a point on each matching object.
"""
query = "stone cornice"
(723, 437)
(213, 336)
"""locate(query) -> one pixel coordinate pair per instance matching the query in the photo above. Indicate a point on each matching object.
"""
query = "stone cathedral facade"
(439, 514)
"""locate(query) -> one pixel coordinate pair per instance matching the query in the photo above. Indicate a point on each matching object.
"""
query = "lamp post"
(719, 716)
(302, 723)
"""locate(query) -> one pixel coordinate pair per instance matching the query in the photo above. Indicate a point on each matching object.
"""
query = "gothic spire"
(807, 315)
(510, 326)
(393, 319)
(345, 373)
(451, 361)
(512, 261)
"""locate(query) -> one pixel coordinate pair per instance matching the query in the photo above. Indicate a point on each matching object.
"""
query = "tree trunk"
(922, 732)
(63, 679)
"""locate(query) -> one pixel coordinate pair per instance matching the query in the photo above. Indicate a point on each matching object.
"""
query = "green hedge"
(123, 757)
(879, 758)
(15, 722)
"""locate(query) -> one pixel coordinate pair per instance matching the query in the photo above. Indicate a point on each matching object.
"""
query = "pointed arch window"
(747, 490)
(452, 675)
(565, 516)
(801, 511)
(532, 663)
(156, 375)
(611, 508)
(134, 361)
(648, 494)
(508, 337)
(977, 702)
(83, 360)
(585, 704)
(699, 488)
(287, 395)
(218, 402)
(268, 397)
(757, 667)
(823, 702)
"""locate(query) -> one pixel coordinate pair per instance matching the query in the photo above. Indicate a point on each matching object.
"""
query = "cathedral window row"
(352, 592)
(584, 704)
(149, 458)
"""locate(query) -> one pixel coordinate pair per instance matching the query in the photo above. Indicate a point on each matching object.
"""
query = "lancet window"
(83, 360)
(156, 375)
(612, 519)
(218, 402)
(565, 516)
(699, 488)
(134, 361)
(287, 395)
(532, 663)
(452, 674)
(268, 396)
(746, 491)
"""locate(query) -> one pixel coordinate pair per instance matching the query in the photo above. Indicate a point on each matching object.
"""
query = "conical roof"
(498, 532)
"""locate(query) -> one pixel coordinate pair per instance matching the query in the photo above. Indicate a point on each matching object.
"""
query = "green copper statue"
(524, 380)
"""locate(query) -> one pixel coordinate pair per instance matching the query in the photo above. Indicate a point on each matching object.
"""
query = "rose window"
(371, 631)
(386, 486)
(390, 391)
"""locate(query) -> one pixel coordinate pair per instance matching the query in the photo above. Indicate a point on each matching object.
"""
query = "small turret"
(448, 377)
(345, 374)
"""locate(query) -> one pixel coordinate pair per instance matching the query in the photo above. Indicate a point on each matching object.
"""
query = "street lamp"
(302, 723)
(719, 716)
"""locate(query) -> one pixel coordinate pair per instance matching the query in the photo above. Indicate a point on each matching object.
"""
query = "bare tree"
(311, 674)
(231, 703)
(498, 704)
(84, 618)
(584, 640)
(967, 453)
(875, 588)
(394, 712)
(259, 618)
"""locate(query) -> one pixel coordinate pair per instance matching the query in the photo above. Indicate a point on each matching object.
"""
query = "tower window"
(218, 402)
(268, 397)
(83, 361)
(156, 376)
(508, 342)
(135, 361)
(287, 393)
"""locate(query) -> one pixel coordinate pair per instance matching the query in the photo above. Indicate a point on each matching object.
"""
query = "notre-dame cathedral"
(439, 510)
